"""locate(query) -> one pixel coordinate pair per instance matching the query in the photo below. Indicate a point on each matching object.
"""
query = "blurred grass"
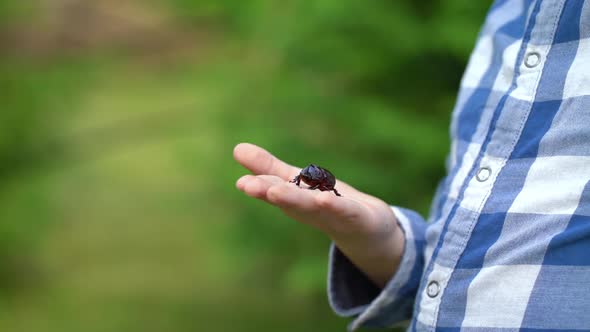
(117, 202)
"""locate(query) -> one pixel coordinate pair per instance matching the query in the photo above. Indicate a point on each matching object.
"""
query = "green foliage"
(116, 177)
(12, 10)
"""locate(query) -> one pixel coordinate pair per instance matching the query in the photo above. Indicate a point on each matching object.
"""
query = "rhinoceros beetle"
(317, 178)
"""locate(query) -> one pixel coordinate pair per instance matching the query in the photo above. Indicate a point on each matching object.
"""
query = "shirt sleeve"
(351, 293)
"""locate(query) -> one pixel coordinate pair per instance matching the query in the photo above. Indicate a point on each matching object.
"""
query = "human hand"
(363, 226)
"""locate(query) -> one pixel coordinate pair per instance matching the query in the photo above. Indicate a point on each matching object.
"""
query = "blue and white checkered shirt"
(507, 246)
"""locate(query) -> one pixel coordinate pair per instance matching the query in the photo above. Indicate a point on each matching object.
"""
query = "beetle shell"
(317, 178)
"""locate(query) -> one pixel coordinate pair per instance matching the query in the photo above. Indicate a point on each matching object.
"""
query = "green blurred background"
(118, 210)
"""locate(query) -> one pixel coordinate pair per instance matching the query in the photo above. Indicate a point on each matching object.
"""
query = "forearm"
(378, 255)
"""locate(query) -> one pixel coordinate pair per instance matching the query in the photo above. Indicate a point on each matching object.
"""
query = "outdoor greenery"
(118, 209)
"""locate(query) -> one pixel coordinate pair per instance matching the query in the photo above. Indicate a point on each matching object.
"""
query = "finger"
(257, 186)
(241, 183)
(289, 196)
(260, 161)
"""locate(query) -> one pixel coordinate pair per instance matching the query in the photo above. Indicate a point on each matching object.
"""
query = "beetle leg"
(325, 188)
(315, 187)
(296, 180)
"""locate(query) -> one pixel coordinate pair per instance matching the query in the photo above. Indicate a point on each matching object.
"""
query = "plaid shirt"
(507, 245)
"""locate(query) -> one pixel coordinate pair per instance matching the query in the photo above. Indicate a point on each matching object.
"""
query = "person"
(507, 243)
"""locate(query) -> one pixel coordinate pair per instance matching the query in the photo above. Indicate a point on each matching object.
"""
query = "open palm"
(352, 213)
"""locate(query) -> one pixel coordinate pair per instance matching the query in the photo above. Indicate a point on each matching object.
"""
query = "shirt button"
(532, 59)
(432, 289)
(483, 174)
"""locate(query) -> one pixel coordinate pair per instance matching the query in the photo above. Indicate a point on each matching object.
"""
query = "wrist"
(377, 254)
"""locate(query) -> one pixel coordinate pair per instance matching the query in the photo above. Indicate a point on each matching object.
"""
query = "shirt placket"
(481, 179)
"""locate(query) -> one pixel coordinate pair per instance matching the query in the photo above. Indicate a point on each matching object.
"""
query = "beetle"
(317, 178)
